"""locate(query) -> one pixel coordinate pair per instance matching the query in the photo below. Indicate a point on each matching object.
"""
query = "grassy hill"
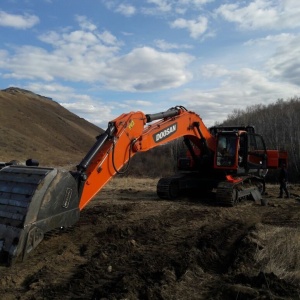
(33, 126)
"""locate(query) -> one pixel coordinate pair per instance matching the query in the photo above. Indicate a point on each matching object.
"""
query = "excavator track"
(231, 193)
(228, 193)
(168, 188)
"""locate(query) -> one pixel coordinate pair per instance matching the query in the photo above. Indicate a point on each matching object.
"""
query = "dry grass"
(280, 252)
(146, 184)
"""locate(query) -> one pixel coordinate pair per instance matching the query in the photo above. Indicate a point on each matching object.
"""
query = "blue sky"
(100, 59)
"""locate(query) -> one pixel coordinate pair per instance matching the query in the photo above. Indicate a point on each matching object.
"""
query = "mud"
(129, 244)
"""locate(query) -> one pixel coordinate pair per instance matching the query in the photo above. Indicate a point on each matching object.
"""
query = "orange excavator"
(230, 161)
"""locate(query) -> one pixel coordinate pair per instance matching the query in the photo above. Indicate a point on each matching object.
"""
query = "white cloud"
(284, 65)
(279, 39)
(18, 21)
(129, 10)
(191, 4)
(81, 107)
(80, 37)
(89, 110)
(160, 5)
(262, 14)
(138, 103)
(195, 27)
(49, 89)
(145, 69)
(110, 4)
(201, 2)
(155, 7)
(107, 38)
(277, 55)
(213, 71)
(85, 24)
(172, 6)
(92, 56)
(126, 10)
(238, 90)
(77, 55)
(163, 45)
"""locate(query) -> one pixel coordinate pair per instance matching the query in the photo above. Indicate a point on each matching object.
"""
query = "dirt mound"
(129, 244)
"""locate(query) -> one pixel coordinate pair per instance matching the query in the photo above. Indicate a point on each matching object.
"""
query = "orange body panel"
(232, 179)
(276, 158)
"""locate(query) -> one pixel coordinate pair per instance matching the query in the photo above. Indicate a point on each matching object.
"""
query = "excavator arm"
(36, 200)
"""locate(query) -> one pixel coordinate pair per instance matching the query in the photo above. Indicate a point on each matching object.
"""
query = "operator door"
(257, 153)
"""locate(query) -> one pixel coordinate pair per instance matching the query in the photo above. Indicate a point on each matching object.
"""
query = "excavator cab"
(240, 150)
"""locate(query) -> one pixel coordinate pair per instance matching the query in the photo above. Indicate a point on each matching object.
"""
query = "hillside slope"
(33, 126)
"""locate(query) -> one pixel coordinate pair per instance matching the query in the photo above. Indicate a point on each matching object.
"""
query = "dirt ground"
(129, 244)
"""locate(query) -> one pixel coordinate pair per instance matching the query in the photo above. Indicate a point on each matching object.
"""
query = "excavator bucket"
(33, 201)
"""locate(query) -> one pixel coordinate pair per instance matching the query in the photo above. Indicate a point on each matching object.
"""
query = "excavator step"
(33, 201)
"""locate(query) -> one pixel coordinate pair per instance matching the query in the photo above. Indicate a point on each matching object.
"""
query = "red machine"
(231, 161)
